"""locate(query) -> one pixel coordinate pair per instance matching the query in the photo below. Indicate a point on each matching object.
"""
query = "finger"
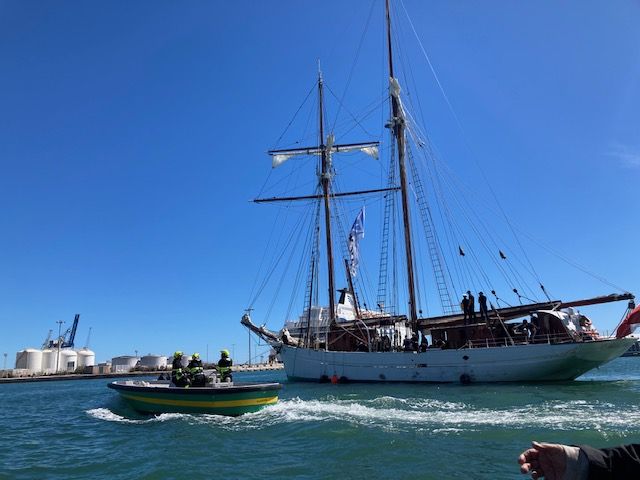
(528, 455)
(522, 460)
(530, 467)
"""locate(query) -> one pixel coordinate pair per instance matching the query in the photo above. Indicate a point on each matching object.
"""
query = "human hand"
(548, 460)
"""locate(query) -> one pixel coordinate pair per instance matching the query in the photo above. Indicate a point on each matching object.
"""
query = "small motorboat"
(219, 398)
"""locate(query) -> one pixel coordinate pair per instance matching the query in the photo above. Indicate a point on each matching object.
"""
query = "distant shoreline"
(91, 376)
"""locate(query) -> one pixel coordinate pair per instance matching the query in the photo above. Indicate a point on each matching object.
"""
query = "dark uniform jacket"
(195, 366)
(177, 363)
(616, 462)
(225, 362)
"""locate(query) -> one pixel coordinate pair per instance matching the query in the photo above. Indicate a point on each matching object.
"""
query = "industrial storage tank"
(29, 359)
(86, 358)
(153, 362)
(49, 360)
(68, 360)
(124, 363)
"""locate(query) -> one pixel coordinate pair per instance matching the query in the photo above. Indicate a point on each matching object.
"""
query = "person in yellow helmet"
(196, 372)
(179, 377)
(224, 366)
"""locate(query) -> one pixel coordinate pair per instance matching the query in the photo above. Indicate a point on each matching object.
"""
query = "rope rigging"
(466, 254)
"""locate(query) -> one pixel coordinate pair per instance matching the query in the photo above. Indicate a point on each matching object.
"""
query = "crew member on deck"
(179, 376)
(224, 366)
(472, 306)
(482, 301)
(464, 304)
(196, 372)
(424, 343)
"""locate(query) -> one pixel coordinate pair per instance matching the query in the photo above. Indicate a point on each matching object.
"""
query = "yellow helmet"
(177, 354)
(195, 355)
(224, 353)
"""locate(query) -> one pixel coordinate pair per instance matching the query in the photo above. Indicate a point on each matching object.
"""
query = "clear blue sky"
(133, 134)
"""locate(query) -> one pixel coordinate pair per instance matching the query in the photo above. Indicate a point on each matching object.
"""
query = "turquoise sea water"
(81, 430)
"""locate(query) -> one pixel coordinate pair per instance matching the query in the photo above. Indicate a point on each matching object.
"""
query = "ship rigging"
(354, 342)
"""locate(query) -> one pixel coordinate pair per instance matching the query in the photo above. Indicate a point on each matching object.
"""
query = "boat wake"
(109, 416)
(411, 414)
(401, 414)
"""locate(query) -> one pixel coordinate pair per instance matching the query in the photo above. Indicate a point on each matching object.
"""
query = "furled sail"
(278, 157)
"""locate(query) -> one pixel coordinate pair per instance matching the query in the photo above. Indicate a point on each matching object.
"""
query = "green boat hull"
(223, 399)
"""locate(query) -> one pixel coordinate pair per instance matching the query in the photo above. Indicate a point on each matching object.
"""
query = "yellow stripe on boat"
(194, 403)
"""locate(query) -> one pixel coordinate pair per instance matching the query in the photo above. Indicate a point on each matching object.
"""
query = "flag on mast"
(355, 235)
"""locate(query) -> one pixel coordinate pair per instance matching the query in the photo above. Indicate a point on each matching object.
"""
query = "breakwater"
(89, 376)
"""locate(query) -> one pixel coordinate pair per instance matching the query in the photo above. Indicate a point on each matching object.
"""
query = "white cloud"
(627, 156)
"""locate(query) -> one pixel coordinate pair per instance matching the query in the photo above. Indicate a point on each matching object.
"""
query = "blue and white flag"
(355, 235)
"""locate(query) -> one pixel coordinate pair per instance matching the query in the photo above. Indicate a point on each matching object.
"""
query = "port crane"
(47, 341)
(86, 343)
(66, 340)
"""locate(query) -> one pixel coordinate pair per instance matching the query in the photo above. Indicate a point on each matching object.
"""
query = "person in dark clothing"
(414, 342)
(527, 329)
(376, 343)
(472, 306)
(482, 302)
(555, 461)
(464, 304)
(179, 376)
(224, 366)
(386, 343)
(196, 371)
(424, 343)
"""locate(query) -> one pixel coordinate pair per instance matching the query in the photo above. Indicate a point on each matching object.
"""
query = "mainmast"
(325, 178)
(398, 125)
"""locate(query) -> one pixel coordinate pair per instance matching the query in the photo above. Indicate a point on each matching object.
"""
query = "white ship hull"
(519, 363)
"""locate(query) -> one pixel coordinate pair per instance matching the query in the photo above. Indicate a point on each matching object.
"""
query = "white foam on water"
(108, 416)
(411, 414)
(399, 414)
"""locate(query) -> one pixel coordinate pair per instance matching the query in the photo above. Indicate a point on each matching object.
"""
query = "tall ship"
(348, 334)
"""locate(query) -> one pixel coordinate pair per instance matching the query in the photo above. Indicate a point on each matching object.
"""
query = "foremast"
(324, 149)
(397, 125)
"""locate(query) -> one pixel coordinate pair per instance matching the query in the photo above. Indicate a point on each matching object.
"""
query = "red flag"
(633, 319)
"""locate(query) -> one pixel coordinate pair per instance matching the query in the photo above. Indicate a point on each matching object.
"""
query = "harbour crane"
(64, 341)
(47, 341)
(86, 343)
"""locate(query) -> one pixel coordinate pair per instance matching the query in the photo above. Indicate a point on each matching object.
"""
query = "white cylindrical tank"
(29, 359)
(124, 363)
(68, 360)
(86, 358)
(153, 361)
(49, 360)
